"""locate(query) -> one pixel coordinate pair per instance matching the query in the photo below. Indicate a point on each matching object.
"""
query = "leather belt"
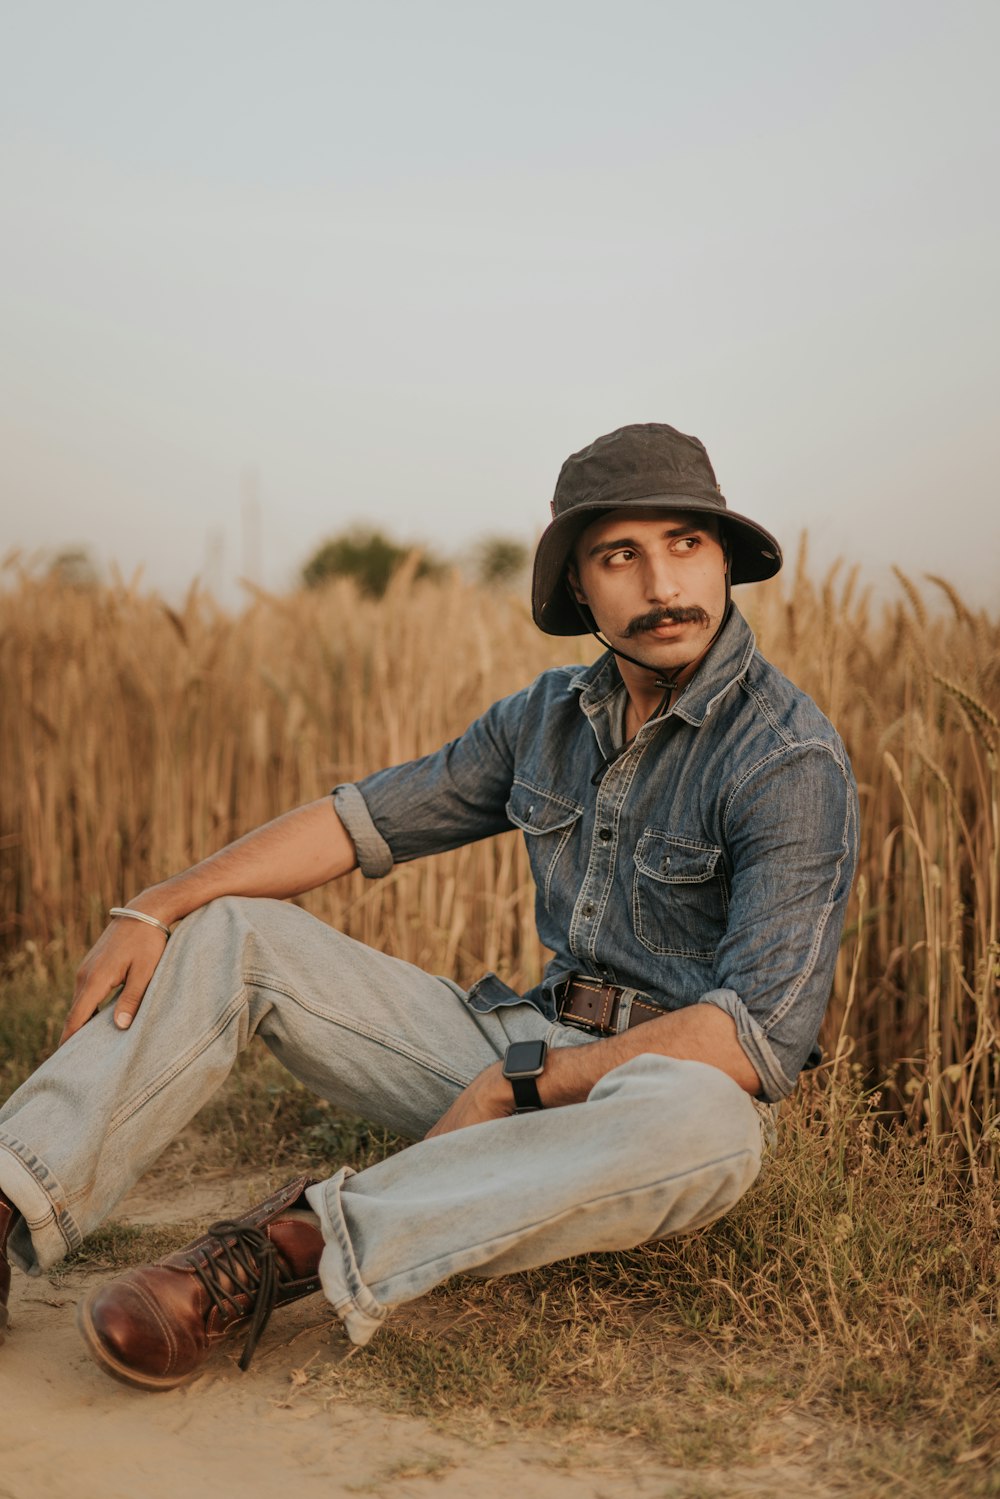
(593, 1006)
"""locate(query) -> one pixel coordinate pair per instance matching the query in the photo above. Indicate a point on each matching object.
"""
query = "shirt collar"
(726, 663)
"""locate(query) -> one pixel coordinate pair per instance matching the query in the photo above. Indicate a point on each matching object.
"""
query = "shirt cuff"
(374, 854)
(775, 1083)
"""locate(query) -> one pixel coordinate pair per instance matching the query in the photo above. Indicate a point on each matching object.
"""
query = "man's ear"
(573, 583)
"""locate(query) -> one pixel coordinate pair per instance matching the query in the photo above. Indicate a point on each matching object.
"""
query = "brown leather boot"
(8, 1217)
(155, 1327)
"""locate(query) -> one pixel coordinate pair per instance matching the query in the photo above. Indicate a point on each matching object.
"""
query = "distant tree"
(499, 559)
(75, 567)
(366, 555)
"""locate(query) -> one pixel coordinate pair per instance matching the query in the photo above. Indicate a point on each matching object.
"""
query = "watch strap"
(526, 1096)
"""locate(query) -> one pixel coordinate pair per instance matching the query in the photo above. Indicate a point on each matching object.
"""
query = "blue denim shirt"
(709, 864)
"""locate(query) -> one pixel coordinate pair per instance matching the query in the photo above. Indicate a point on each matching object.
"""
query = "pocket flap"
(537, 811)
(675, 861)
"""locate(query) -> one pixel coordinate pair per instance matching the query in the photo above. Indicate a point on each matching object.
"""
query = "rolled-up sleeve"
(441, 801)
(792, 829)
(374, 854)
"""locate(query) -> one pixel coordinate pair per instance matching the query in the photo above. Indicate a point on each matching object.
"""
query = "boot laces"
(247, 1266)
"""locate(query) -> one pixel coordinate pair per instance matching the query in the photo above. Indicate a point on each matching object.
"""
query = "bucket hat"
(645, 465)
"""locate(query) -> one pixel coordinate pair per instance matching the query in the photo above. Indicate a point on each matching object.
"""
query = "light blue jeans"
(659, 1147)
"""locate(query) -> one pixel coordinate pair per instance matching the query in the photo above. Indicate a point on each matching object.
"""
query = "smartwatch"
(524, 1061)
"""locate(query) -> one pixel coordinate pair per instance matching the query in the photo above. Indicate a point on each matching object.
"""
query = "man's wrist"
(155, 901)
(523, 1065)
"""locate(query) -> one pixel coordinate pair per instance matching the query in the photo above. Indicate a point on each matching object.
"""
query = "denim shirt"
(710, 863)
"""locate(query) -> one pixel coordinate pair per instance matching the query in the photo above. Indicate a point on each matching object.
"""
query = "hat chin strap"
(667, 680)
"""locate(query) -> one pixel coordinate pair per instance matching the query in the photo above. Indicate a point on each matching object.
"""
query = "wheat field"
(136, 737)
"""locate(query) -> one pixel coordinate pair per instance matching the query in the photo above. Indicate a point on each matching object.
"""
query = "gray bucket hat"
(649, 464)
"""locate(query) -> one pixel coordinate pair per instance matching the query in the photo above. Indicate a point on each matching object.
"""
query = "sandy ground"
(67, 1431)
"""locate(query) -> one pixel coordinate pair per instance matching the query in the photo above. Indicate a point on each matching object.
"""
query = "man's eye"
(615, 559)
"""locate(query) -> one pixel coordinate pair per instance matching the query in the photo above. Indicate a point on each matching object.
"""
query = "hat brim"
(754, 554)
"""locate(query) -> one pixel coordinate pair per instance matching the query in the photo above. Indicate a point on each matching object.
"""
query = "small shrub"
(500, 560)
(367, 556)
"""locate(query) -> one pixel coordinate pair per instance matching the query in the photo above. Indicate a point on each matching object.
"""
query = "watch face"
(524, 1059)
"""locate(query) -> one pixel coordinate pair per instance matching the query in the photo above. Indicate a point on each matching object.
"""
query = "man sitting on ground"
(691, 822)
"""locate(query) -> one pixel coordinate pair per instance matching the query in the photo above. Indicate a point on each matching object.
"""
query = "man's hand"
(125, 954)
(488, 1096)
(296, 852)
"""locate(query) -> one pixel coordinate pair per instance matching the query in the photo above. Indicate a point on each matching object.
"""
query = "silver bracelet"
(139, 916)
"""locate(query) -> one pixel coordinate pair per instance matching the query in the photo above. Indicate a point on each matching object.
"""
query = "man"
(690, 818)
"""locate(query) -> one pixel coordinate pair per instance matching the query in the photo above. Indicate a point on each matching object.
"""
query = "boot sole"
(111, 1365)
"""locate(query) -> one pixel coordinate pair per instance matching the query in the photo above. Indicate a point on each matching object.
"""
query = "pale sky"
(392, 261)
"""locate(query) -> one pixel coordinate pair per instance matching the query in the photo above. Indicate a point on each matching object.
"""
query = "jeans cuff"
(339, 1274)
(48, 1232)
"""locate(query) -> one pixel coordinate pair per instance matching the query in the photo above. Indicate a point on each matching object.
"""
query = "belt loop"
(624, 1014)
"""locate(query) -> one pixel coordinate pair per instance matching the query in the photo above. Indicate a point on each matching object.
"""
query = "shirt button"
(604, 834)
(588, 909)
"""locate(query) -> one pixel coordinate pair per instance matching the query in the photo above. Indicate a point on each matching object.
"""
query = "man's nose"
(661, 578)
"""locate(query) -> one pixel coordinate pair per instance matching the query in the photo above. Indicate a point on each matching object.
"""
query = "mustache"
(680, 614)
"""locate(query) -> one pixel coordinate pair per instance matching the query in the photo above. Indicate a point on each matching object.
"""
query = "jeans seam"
(352, 1024)
(162, 1079)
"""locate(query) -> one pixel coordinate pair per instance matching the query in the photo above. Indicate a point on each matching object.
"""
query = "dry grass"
(915, 693)
(136, 738)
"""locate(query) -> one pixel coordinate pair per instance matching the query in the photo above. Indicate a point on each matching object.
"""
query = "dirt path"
(70, 1432)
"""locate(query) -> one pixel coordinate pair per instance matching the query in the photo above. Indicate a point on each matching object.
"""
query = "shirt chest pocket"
(679, 904)
(548, 822)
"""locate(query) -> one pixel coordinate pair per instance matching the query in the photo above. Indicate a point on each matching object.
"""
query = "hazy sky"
(395, 260)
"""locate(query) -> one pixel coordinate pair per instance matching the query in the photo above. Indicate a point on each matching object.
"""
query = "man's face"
(654, 580)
